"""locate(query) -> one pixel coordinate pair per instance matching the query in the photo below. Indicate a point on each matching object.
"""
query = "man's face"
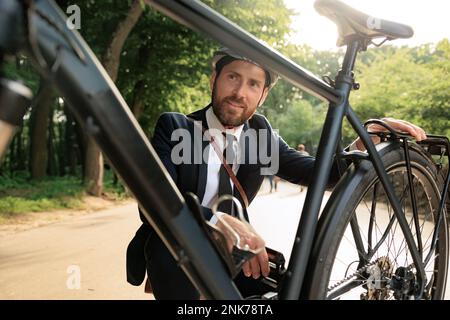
(238, 90)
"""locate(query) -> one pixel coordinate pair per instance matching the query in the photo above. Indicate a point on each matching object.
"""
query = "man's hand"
(398, 125)
(260, 263)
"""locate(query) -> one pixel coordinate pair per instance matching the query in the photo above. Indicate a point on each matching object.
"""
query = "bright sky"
(430, 20)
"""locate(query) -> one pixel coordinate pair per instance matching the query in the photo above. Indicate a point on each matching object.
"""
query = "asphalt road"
(80, 258)
(83, 257)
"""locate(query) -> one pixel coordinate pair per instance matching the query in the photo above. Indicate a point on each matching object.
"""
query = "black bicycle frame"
(198, 16)
(98, 105)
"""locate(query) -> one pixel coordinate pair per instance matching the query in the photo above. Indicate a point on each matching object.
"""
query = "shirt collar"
(214, 123)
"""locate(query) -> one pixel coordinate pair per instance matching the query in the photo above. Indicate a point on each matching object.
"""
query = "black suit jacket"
(191, 177)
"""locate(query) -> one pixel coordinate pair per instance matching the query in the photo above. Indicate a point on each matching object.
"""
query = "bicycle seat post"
(345, 78)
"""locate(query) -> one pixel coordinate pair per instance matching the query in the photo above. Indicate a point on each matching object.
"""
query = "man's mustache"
(235, 101)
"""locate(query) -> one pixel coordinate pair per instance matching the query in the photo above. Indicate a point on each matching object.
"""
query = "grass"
(19, 195)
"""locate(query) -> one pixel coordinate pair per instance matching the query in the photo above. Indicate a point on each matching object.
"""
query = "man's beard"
(222, 111)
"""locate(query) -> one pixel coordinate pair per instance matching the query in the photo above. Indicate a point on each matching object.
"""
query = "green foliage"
(267, 20)
(114, 189)
(14, 205)
(18, 194)
(19, 68)
(170, 61)
(410, 84)
(166, 66)
(299, 115)
(302, 123)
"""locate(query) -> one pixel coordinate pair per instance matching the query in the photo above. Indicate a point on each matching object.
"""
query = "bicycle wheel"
(364, 254)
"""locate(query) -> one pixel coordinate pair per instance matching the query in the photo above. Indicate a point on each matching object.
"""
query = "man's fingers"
(256, 270)
(251, 267)
(421, 133)
(410, 129)
(252, 242)
(401, 125)
(246, 269)
(264, 262)
(377, 128)
(417, 132)
(248, 237)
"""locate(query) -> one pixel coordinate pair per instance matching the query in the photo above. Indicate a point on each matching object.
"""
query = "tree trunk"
(63, 156)
(52, 161)
(111, 59)
(93, 177)
(20, 161)
(137, 106)
(11, 155)
(94, 169)
(39, 122)
(71, 147)
(82, 146)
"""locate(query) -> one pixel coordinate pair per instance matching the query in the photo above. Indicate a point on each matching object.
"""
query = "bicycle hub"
(403, 283)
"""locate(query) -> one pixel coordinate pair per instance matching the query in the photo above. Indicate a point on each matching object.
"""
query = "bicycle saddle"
(352, 22)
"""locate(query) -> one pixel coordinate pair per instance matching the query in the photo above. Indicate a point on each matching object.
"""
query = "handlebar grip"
(11, 26)
(15, 98)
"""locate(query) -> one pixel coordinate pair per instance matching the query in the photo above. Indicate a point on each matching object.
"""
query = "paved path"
(83, 257)
(47, 262)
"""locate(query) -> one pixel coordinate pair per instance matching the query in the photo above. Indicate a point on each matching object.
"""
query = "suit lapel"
(245, 164)
(244, 167)
(202, 167)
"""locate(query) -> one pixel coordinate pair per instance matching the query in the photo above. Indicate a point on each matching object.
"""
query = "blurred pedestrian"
(302, 150)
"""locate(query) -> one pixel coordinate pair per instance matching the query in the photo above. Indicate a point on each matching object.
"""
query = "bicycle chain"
(357, 272)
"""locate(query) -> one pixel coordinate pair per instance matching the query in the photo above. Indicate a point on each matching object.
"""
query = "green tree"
(93, 173)
(170, 64)
(301, 124)
(410, 84)
(163, 65)
(39, 124)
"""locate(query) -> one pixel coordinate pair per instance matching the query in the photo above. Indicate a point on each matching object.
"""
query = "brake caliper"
(403, 283)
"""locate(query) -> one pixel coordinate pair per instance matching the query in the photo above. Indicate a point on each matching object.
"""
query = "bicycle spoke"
(372, 216)
(375, 246)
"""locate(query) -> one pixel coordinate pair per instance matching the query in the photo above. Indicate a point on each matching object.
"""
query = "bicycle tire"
(377, 278)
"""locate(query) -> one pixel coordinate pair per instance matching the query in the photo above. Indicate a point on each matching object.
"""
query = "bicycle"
(406, 188)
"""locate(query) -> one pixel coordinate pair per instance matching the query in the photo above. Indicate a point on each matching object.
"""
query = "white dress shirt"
(212, 180)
